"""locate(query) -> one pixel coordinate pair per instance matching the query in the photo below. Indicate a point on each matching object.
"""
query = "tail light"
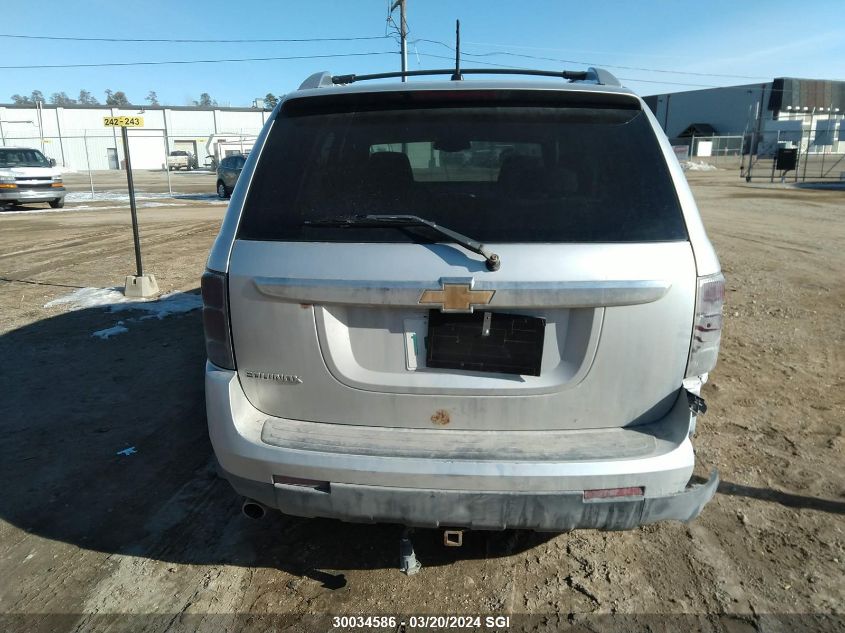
(215, 319)
(707, 325)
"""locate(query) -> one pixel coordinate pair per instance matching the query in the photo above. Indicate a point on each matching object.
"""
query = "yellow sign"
(123, 121)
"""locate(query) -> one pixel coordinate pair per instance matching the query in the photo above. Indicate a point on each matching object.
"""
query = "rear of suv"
(479, 304)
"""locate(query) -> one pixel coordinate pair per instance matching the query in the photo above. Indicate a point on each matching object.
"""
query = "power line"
(195, 61)
(652, 81)
(769, 88)
(600, 65)
(673, 56)
(193, 41)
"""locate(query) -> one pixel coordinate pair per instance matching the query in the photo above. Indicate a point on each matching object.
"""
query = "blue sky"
(758, 40)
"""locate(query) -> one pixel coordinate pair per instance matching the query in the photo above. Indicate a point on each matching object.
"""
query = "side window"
(239, 162)
(226, 163)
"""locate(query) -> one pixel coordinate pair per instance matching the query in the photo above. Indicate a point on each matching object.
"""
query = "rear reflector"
(215, 319)
(707, 325)
(608, 493)
(323, 486)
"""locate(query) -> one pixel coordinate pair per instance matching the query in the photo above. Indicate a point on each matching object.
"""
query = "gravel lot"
(94, 540)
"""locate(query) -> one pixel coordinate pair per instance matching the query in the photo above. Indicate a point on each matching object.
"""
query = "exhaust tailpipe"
(253, 509)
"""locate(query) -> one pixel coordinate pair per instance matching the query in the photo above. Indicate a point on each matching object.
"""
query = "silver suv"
(476, 304)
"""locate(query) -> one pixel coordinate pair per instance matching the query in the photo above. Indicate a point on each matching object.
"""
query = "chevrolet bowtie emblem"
(456, 297)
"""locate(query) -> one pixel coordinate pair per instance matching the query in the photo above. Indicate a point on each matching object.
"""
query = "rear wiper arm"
(492, 260)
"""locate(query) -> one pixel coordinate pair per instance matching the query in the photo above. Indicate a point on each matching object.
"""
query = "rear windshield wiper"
(491, 259)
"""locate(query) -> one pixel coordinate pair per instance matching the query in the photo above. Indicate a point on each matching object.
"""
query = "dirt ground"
(91, 540)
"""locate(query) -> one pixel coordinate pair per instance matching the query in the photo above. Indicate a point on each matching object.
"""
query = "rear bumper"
(549, 512)
(375, 485)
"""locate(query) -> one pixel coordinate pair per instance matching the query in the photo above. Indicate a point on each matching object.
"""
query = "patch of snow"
(111, 196)
(82, 298)
(113, 300)
(49, 210)
(75, 200)
(691, 165)
(172, 303)
(123, 196)
(116, 329)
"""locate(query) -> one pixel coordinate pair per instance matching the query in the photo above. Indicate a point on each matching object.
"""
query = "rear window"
(498, 171)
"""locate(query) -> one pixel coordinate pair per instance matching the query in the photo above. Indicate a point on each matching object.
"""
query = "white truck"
(180, 159)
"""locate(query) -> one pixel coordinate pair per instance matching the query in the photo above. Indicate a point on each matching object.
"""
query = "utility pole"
(403, 34)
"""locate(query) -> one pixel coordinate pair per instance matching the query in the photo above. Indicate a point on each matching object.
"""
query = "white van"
(26, 175)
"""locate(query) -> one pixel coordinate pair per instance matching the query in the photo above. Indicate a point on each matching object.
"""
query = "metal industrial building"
(74, 135)
(806, 113)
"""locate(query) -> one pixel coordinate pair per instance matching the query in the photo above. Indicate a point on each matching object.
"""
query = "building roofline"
(751, 85)
(748, 86)
(102, 106)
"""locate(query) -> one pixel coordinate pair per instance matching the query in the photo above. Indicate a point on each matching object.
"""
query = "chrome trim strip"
(556, 294)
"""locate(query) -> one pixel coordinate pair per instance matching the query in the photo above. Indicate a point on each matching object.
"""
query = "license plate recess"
(485, 341)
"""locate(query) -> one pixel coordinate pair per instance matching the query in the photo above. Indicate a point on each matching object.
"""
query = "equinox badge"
(288, 379)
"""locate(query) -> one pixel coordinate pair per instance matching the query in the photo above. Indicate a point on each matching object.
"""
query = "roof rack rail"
(593, 75)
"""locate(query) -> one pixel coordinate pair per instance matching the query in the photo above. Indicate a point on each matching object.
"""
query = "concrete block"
(140, 287)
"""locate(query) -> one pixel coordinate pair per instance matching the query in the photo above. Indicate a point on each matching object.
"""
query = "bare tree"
(85, 98)
(61, 99)
(34, 96)
(116, 98)
(205, 101)
(270, 100)
(152, 97)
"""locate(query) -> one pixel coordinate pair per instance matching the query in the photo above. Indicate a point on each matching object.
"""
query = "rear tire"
(222, 191)
(57, 204)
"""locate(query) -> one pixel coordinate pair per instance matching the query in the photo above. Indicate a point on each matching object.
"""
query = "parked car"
(228, 172)
(218, 146)
(26, 175)
(180, 159)
(518, 342)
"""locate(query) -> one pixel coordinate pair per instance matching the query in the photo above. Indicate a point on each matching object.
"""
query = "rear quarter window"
(497, 170)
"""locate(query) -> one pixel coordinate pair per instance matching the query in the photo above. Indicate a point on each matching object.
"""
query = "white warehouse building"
(75, 136)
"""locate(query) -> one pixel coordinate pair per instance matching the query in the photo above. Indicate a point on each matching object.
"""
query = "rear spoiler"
(400, 96)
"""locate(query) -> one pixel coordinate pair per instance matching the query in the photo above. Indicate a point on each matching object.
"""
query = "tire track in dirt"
(112, 247)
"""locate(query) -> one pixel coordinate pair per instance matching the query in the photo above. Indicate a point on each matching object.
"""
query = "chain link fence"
(723, 152)
(93, 161)
(820, 156)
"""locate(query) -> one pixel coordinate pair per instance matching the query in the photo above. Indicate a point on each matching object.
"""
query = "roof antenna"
(457, 74)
